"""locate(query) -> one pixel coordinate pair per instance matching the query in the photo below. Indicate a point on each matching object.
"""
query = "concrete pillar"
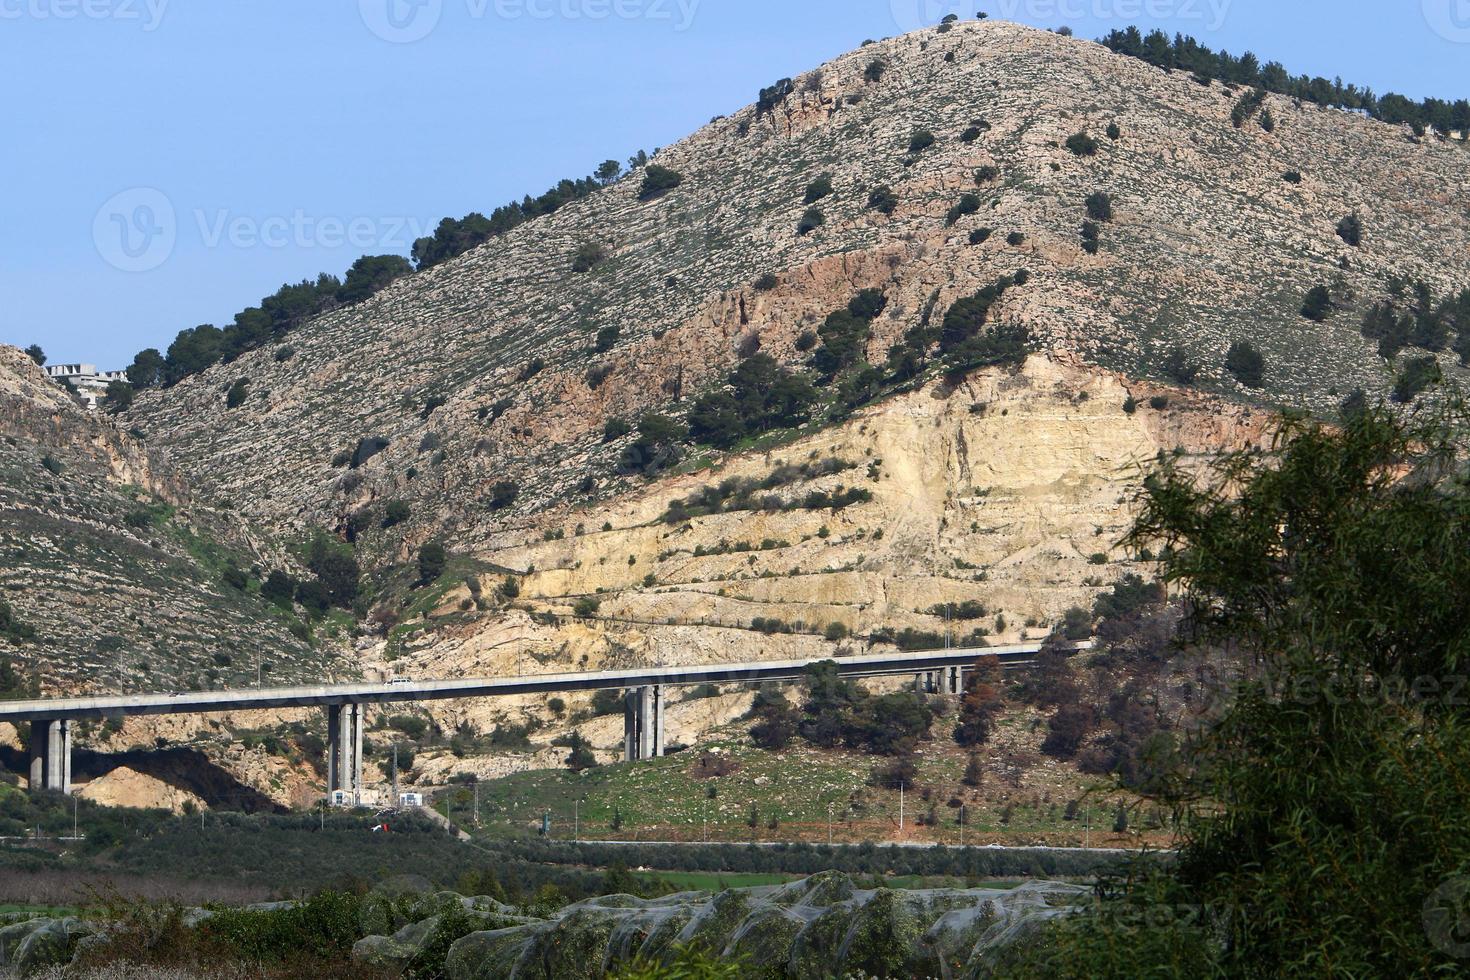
(630, 726)
(359, 722)
(55, 753)
(658, 720)
(918, 683)
(39, 730)
(645, 722)
(344, 750)
(334, 748)
(66, 727)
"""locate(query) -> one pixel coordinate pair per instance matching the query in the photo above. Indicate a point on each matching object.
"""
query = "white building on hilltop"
(89, 383)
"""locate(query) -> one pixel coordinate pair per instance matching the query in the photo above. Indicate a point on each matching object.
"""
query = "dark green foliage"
(920, 140)
(1318, 304)
(739, 493)
(1350, 230)
(966, 205)
(980, 704)
(1114, 133)
(336, 568)
(35, 353)
(1089, 237)
(1178, 367)
(586, 606)
(588, 256)
(147, 369)
(503, 493)
(278, 587)
(1245, 362)
(371, 273)
(396, 513)
(883, 200)
(657, 181)
(1292, 177)
(119, 395)
(986, 173)
(1082, 145)
(615, 429)
(581, 756)
(1416, 375)
(1187, 54)
(533, 367)
(656, 448)
(980, 235)
(606, 338)
(432, 560)
(1099, 206)
(1246, 106)
(454, 237)
(235, 397)
(874, 71)
(1015, 238)
(1334, 770)
(775, 721)
(766, 283)
(811, 221)
(818, 189)
(773, 95)
(844, 334)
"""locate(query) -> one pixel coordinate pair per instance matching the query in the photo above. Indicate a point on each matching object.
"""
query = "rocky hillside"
(485, 369)
(111, 574)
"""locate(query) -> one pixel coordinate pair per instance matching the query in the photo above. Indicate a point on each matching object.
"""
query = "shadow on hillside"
(182, 768)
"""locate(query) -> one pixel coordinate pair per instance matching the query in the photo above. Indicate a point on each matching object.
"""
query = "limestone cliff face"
(1011, 490)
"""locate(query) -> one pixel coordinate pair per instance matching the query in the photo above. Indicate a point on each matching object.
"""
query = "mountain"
(484, 398)
(111, 572)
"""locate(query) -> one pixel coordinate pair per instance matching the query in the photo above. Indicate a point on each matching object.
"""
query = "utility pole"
(394, 802)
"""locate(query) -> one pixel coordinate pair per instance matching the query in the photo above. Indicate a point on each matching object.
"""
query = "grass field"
(797, 795)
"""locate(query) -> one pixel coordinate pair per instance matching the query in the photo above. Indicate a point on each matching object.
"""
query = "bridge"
(51, 719)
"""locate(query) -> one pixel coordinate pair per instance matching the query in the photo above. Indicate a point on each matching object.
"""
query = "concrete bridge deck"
(938, 671)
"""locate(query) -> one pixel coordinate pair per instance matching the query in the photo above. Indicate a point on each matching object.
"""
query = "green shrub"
(818, 189)
(1350, 230)
(874, 71)
(235, 397)
(766, 282)
(588, 256)
(1099, 206)
(1114, 133)
(967, 205)
(432, 560)
(396, 512)
(606, 338)
(980, 235)
(810, 221)
(1082, 145)
(586, 606)
(1318, 304)
(920, 140)
(1417, 374)
(1245, 362)
(883, 200)
(615, 429)
(503, 493)
(987, 173)
(1015, 238)
(657, 181)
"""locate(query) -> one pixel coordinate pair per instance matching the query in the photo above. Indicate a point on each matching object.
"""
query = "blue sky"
(287, 137)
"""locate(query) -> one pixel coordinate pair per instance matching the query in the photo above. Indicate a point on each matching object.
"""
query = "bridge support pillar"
(643, 723)
(345, 724)
(50, 756)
